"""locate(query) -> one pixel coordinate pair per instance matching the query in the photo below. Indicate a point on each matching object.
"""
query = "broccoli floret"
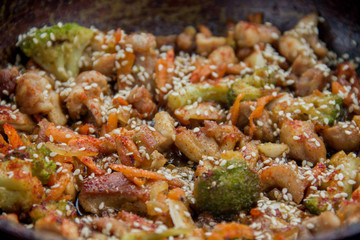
(57, 48)
(324, 108)
(316, 204)
(48, 208)
(252, 85)
(226, 190)
(41, 167)
(349, 165)
(207, 91)
(18, 189)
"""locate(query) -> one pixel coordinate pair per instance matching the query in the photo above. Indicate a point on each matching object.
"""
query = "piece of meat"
(141, 42)
(85, 96)
(35, 95)
(185, 41)
(223, 55)
(111, 225)
(342, 137)
(301, 64)
(302, 40)
(150, 139)
(59, 225)
(206, 42)
(8, 81)
(164, 124)
(264, 128)
(143, 45)
(105, 64)
(325, 222)
(18, 120)
(112, 191)
(227, 136)
(307, 28)
(283, 176)
(302, 140)
(195, 145)
(245, 110)
(141, 99)
(248, 34)
(311, 80)
(169, 40)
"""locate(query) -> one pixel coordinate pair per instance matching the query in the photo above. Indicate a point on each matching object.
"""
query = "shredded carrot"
(279, 237)
(66, 198)
(119, 101)
(90, 164)
(255, 212)
(336, 87)
(162, 75)
(234, 111)
(141, 173)
(117, 35)
(138, 181)
(236, 68)
(13, 136)
(60, 134)
(318, 93)
(59, 185)
(112, 122)
(356, 195)
(176, 193)
(200, 73)
(52, 180)
(126, 64)
(261, 103)
(4, 146)
(230, 231)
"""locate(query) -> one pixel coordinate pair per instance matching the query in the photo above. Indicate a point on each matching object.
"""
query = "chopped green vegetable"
(206, 91)
(324, 109)
(18, 189)
(228, 189)
(57, 48)
(42, 168)
(252, 85)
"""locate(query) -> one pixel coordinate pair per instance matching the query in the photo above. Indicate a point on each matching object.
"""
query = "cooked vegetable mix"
(111, 135)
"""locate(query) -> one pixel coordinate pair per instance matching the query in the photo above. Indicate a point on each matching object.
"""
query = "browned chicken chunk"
(35, 95)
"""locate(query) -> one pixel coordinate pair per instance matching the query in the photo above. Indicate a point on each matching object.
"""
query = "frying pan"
(340, 30)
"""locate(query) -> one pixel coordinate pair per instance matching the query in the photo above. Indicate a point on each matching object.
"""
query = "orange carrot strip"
(66, 198)
(176, 193)
(336, 87)
(234, 112)
(90, 164)
(126, 68)
(112, 122)
(120, 101)
(13, 136)
(231, 230)
(261, 102)
(138, 181)
(117, 35)
(59, 134)
(318, 93)
(59, 185)
(136, 172)
(4, 146)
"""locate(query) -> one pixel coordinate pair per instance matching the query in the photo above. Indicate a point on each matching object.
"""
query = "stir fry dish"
(114, 135)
